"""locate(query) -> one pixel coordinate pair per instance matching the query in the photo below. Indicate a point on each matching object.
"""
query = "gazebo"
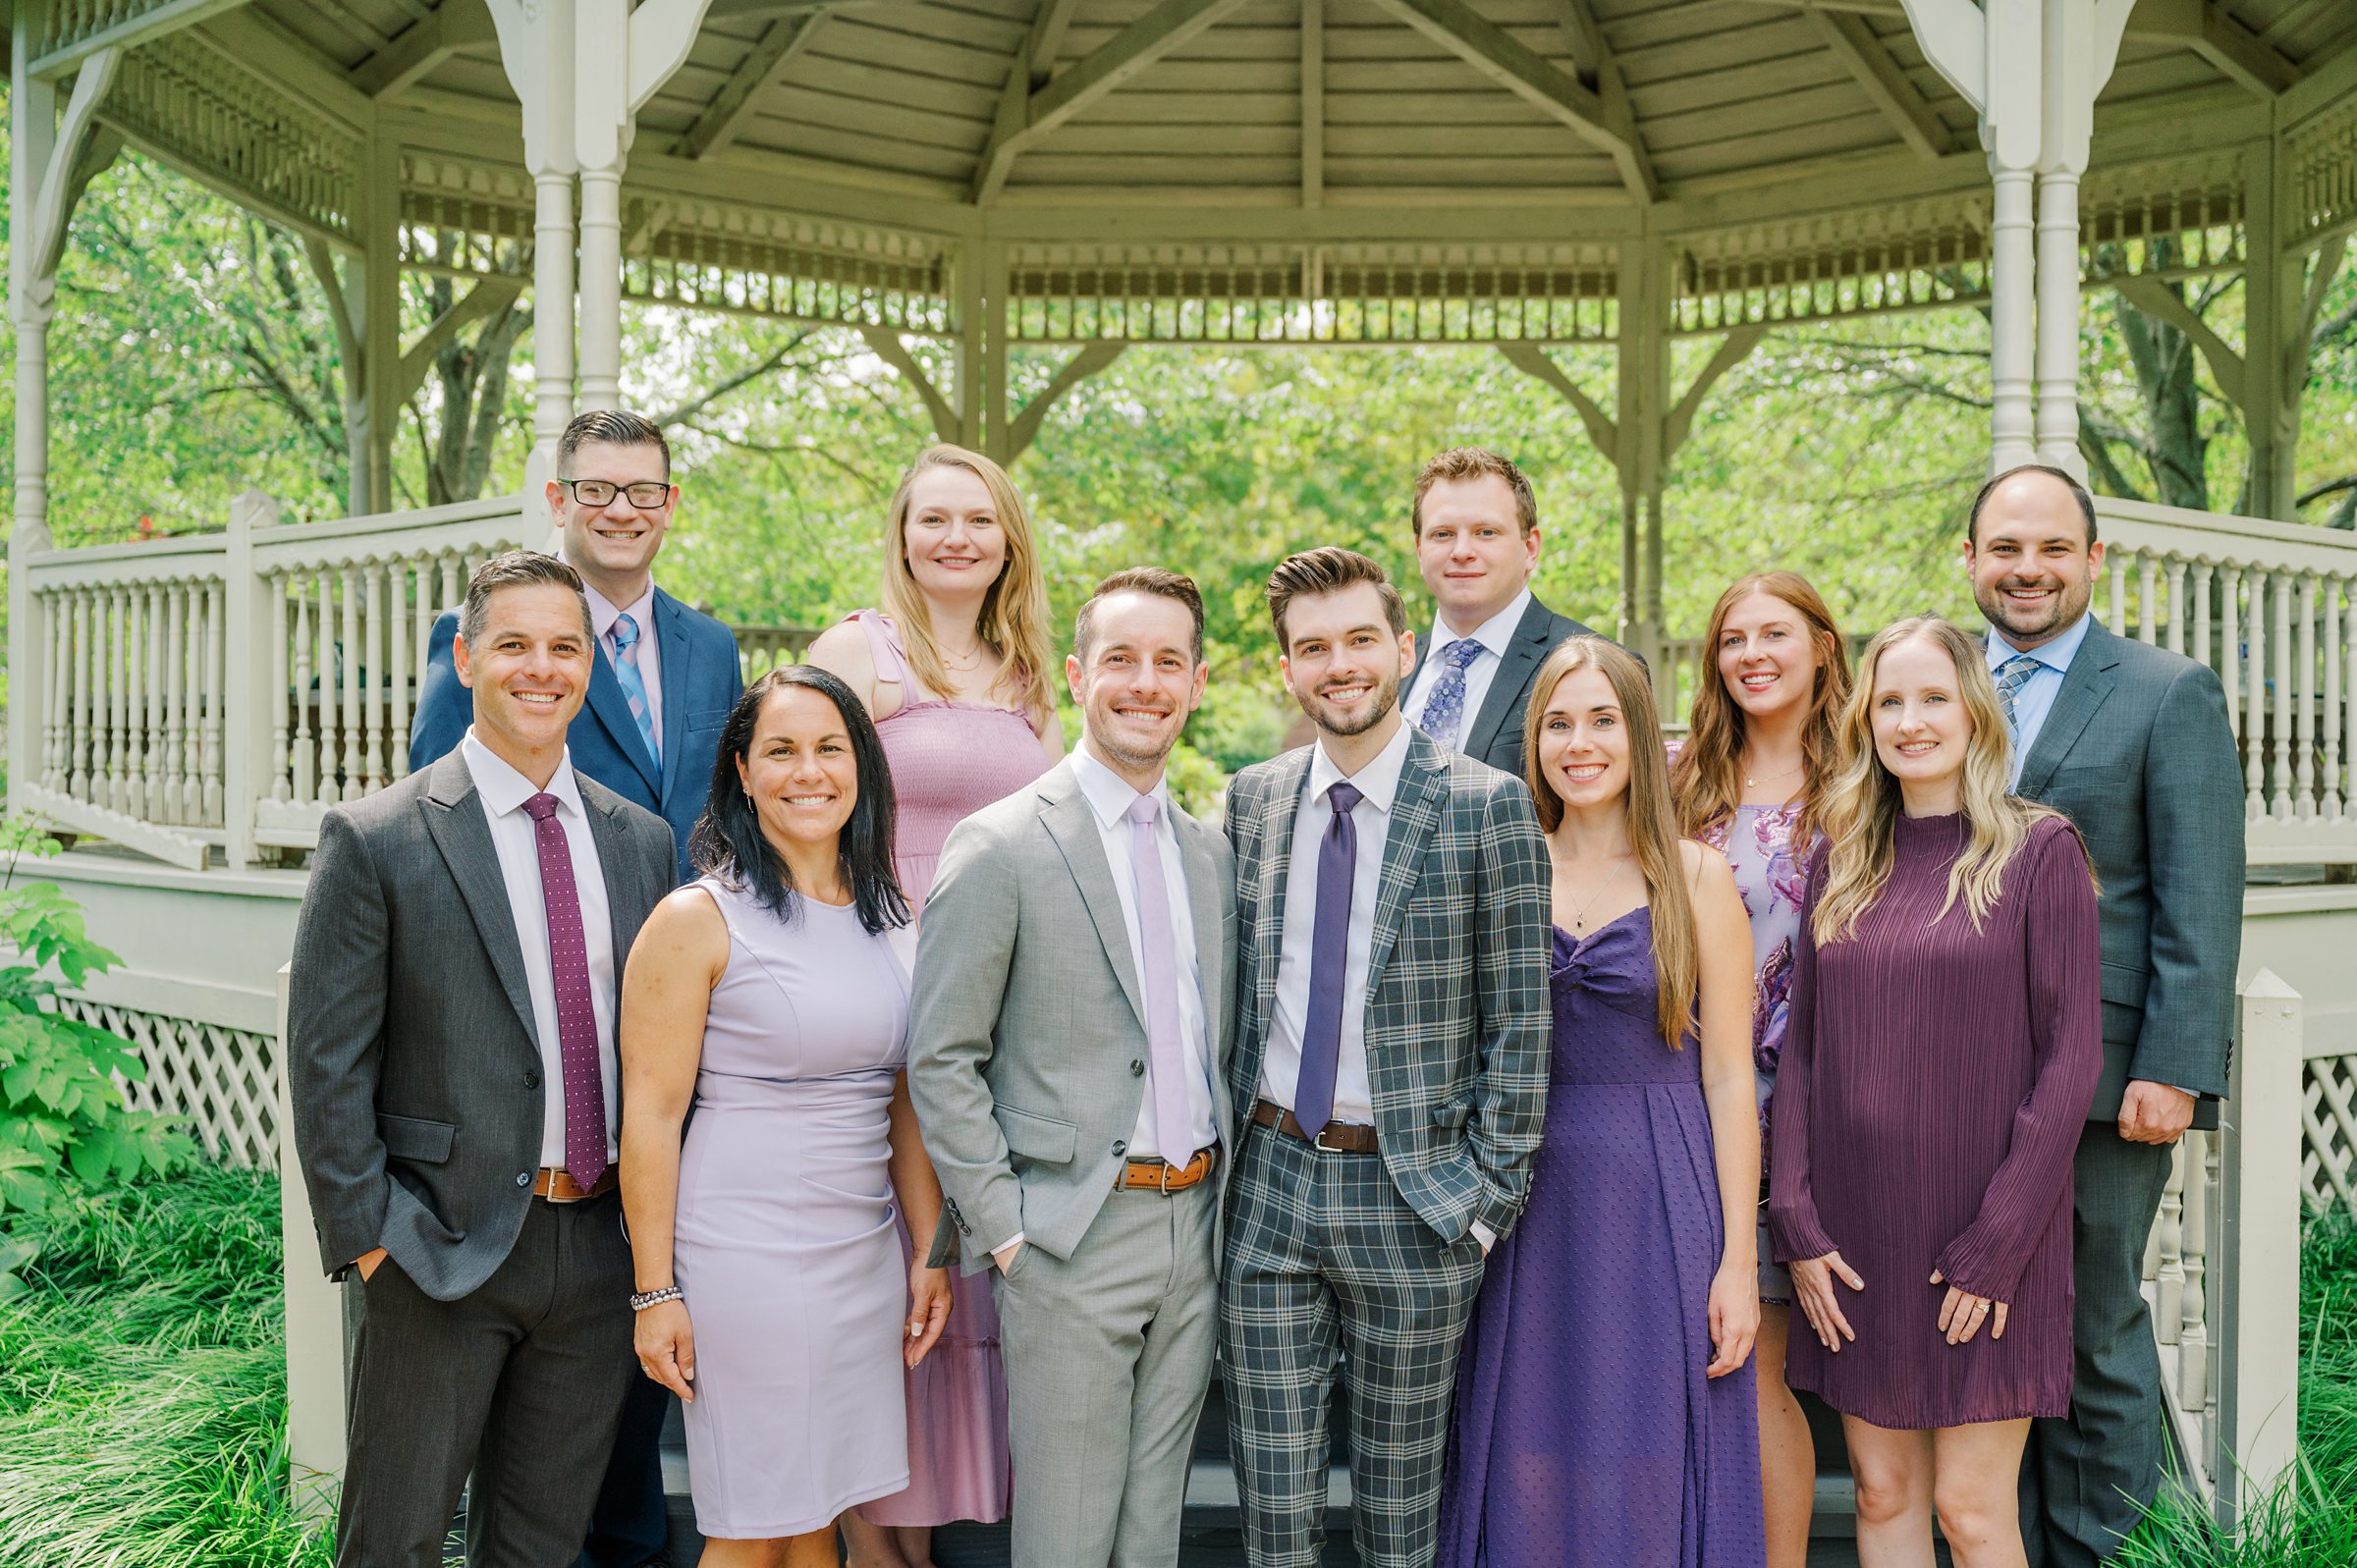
(960, 179)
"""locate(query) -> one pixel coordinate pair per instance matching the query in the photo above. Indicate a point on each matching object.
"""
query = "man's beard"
(1132, 756)
(1386, 697)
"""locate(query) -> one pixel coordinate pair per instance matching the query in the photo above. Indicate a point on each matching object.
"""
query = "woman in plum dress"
(768, 993)
(1946, 1037)
(1750, 782)
(954, 666)
(1604, 1412)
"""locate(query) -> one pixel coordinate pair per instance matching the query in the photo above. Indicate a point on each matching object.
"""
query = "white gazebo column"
(537, 47)
(2080, 42)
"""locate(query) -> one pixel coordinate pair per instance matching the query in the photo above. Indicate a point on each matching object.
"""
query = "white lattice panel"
(221, 1079)
(2328, 1117)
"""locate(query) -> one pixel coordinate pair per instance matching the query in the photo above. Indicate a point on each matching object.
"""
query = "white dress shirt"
(603, 613)
(1281, 1065)
(514, 837)
(1108, 797)
(1495, 636)
(2036, 698)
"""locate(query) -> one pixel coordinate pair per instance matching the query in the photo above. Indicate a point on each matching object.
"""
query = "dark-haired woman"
(1604, 1408)
(770, 994)
(1750, 782)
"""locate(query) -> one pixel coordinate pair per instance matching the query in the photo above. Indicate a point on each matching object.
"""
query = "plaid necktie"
(1445, 708)
(2011, 676)
(633, 684)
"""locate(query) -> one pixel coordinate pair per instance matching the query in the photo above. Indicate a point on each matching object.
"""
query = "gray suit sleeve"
(335, 1032)
(2193, 812)
(966, 946)
(1509, 954)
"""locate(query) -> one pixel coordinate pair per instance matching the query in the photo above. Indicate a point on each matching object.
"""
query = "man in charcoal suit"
(451, 1021)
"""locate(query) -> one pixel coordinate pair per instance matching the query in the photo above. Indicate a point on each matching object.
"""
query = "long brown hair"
(1862, 802)
(1652, 823)
(1014, 620)
(1707, 779)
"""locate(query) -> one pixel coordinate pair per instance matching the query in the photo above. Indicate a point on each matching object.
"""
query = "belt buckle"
(1318, 1142)
(1164, 1187)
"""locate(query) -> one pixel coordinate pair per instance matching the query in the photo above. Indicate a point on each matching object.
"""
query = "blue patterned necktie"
(633, 684)
(1328, 957)
(1445, 708)
(2011, 676)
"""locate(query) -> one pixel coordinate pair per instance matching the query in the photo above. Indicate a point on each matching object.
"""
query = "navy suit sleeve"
(445, 708)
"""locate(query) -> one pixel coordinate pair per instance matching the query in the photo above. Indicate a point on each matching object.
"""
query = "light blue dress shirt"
(2036, 699)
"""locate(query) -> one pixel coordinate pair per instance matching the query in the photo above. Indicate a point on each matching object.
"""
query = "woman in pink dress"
(955, 667)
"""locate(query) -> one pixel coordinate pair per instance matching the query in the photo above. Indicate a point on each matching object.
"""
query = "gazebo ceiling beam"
(1869, 60)
(1593, 55)
(424, 45)
(1513, 65)
(1024, 121)
(148, 26)
(786, 41)
(252, 41)
(2203, 26)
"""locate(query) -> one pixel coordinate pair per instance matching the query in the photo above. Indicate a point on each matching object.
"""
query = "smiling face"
(1136, 679)
(616, 543)
(953, 540)
(1922, 729)
(1767, 658)
(1471, 550)
(1583, 740)
(528, 670)
(2033, 570)
(1344, 664)
(799, 769)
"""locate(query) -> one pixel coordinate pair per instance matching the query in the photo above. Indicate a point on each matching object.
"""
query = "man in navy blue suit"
(664, 680)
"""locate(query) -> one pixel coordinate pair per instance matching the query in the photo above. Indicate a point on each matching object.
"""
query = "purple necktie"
(577, 1018)
(1158, 957)
(1329, 956)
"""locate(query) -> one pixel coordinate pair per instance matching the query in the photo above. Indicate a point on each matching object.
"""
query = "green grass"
(142, 1385)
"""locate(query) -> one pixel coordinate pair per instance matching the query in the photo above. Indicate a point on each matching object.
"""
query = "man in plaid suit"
(1391, 925)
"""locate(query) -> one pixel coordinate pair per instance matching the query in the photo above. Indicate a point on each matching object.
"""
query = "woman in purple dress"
(1750, 782)
(954, 666)
(1604, 1403)
(1946, 1037)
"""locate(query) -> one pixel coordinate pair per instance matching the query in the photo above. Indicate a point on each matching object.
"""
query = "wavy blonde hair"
(1014, 619)
(1862, 804)
(1704, 779)
(1652, 821)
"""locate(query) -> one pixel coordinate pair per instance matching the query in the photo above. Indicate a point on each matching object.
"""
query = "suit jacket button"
(531, 1080)
(523, 1178)
(1137, 1069)
(1120, 1144)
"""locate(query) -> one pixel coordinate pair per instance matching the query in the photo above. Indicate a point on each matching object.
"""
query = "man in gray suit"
(1391, 901)
(2131, 742)
(1074, 976)
(458, 968)
(1477, 544)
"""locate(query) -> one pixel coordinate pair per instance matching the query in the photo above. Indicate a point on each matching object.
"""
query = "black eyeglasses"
(646, 494)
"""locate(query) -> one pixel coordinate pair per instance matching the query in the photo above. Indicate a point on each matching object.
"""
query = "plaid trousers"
(1324, 1255)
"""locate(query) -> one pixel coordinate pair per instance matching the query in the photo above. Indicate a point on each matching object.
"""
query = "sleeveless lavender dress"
(784, 1236)
(1586, 1435)
(949, 760)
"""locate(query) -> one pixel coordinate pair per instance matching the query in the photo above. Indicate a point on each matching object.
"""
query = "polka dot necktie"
(577, 1018)
(1445, 709)
(2011, 676)
(633, 683)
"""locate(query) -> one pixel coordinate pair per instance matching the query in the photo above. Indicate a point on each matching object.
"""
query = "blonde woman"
(1604, 1413)
(953, 665)
(1946, 1037)
(1751, 781)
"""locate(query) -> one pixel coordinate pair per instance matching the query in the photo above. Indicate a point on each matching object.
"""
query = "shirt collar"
(1378, 781)
(1493, 635)
(604, 612)
(1107, 793)
(505, 791)
(2056, 655)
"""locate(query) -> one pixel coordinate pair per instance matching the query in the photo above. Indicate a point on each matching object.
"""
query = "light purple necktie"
(1158, 958)
(577, 1018)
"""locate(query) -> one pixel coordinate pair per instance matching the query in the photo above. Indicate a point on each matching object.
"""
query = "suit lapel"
(1203, 906)
(1073, 826)
(453, 817)
(613, 710)
(1515, 667)
(1279, 810)
(2088, 682)
(671, 633)
(621, 879)
(1415, 817)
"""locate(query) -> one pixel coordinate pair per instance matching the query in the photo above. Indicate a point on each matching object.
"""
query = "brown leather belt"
(557, 1185)
(1155, 1175)
(1336, 1137)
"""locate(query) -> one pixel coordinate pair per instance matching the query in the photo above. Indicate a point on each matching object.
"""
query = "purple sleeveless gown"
(1586, 1435)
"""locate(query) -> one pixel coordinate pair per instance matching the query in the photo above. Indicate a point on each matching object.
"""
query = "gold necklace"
(1750, 782)
(1579, 917)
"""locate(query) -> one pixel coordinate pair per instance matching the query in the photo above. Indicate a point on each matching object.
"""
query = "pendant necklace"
(1579, 917)
(1750, 782)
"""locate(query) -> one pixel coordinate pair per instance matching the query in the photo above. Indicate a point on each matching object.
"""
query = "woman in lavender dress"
(1750, 782)
(954, 667)
(1605, 1414)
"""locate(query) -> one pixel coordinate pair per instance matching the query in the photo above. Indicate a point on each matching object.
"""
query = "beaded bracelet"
(644, 1299)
